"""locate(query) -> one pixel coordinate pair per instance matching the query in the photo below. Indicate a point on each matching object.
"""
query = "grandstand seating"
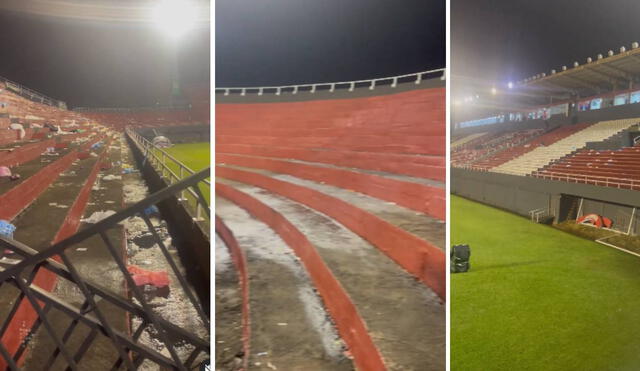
(342, 181)
(620, 168)
(512, 152)
(541, 156)
(386, 133)
(480, 147)
(464, 139)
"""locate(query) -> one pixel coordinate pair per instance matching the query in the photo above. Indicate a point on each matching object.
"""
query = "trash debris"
(81, 249)
(156, 279)
(83, 155)
(6, 229)
(98, 216)
(151, 210)
(5, 171)
(55, 204)
(111, 177)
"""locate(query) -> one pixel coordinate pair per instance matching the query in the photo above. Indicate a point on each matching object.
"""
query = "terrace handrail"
(165, 107)
(32, 94)
(597, 179)
(417, 79)
(162, 160)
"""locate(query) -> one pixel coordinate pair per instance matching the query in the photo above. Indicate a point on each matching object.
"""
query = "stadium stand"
(541, 156)
(484, 146)
(512, 152)
(66, 168)
(619, 169)
(465, 138)
(315, 176)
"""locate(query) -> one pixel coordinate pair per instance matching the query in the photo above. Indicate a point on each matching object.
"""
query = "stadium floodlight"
(494, 91)
(634, 45)
(510, 85)
(175, 17)
(623, 49)
(610, 53)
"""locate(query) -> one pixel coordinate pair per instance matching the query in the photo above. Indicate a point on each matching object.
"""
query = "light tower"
(175, 18)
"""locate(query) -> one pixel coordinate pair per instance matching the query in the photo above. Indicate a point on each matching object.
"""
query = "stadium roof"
(601, 74)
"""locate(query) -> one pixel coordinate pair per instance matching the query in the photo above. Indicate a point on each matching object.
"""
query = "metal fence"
(127, 349)
(164, 108)
(172, 170)
(32, 94)
(332, 86)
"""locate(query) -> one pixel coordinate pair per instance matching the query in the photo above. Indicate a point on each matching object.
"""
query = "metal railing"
(312, 88)
(538, 214)
(621, 183)
(164, 108)
(32, 94)
(173, 171)
(128, 349)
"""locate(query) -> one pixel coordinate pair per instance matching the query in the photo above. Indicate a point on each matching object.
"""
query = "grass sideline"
(537, 298)
(195, 156)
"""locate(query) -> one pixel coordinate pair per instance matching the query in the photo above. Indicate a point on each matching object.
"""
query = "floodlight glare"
(494, 91)
(510, 85)
(175, 17)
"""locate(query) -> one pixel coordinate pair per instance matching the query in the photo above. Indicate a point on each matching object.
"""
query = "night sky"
(98, 64)
(280, 42)
(495, 41)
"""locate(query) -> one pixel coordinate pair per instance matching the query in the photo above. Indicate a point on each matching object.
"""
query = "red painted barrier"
(415, 196)
(239, 260)
(408, 122)
(26, 316)
(350, 325)
(417, 256)
(429, 167)
(20, 197)
(25, 153)
(424, 145)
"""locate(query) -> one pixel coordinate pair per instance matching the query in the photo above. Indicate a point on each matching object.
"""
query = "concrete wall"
(520, 194)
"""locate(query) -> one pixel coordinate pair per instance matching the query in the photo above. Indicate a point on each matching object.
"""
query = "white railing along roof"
(418, 76)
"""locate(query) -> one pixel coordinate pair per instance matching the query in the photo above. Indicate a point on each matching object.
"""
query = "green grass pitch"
(195, 156)
(537, 298)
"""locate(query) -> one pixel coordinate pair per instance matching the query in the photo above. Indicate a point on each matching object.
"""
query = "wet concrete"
(94, 263)
(405, 318)
(229, 350)
(290, 329)
(405, 178)
(428, 228)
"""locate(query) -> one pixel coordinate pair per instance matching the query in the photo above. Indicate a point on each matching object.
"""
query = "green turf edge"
(538, 298)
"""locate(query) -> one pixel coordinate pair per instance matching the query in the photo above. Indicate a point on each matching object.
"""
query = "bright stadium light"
(510, 85)
(494, 91)
(175, 17)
